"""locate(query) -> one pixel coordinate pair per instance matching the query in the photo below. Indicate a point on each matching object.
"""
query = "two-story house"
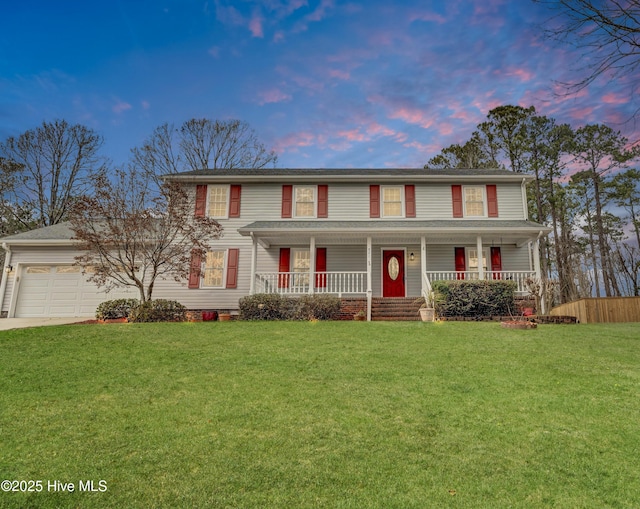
(369, 233)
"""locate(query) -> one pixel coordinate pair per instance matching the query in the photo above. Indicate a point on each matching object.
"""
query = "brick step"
(395, 309)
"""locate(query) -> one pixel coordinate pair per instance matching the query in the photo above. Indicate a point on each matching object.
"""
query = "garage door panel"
(68, 281)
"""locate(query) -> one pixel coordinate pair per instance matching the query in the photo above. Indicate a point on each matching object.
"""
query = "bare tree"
(132, 235)
(606, 31)
(201, 144)
(50, 166)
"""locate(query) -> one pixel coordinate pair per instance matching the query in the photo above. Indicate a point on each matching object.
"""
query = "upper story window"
(218, 200)
(474, 201)
(392, 201)
(305, 201)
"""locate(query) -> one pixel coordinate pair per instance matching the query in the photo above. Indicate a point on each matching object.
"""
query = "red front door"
(393, 273)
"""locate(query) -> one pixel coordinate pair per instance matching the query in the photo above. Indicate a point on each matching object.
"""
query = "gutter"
(5, 275)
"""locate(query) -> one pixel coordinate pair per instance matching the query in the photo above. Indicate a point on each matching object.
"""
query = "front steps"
(396, 309)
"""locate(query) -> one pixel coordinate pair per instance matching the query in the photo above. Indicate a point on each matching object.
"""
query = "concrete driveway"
(21, 323)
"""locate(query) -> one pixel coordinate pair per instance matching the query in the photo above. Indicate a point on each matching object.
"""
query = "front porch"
(388, 259)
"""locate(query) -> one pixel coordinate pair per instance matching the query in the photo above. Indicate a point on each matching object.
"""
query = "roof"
(57, 234)
(407, 230)
(347, 175)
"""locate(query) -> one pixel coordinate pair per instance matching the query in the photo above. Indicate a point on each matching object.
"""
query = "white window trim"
(485, 213)
(228, 189)
(203, 268)
(403, 205)
(315, 201)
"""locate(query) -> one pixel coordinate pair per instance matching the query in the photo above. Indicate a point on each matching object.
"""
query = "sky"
(324, 83)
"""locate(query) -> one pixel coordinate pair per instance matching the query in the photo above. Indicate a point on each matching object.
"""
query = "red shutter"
(374, 201)
(461, 264)
(323, 201)
(194, 270)
(321, 267)
(234, 200)
(496, 262)
(410, 200)
(287, 201)
(492, 200)
(232, 268)
(201, 200)
(285, 260)
(456, 196)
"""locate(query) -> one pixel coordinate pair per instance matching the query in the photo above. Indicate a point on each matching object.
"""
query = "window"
(218, 200)
(392, 200)
(68, 269)
(301, 263)
(474, 201)
(38, 270)
(305, 201)
(472, 255)
(214, 269)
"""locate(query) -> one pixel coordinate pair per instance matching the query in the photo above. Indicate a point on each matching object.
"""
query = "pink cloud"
(273, 95)
(613, 98)
(353, 135)
(412, 116)
(294, 141)
(214, 51)
(145, 105)
(255, 24)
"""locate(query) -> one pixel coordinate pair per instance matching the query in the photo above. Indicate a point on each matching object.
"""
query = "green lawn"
(325, 414)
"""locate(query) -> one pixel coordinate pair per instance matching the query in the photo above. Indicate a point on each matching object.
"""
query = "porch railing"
(519, 276)
(297, 283)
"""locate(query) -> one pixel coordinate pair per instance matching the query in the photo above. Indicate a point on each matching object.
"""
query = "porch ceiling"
(394, 231)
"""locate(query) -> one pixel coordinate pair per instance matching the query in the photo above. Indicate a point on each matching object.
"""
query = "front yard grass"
(325, 414)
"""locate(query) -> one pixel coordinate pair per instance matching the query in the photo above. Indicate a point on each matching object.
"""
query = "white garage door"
(60, 291)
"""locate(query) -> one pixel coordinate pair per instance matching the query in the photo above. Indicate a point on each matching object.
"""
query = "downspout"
(525, 208)
(5, 274)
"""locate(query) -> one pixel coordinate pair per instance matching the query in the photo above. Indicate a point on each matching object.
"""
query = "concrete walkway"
(21, 323)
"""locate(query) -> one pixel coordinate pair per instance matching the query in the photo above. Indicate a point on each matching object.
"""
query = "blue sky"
(326, 83)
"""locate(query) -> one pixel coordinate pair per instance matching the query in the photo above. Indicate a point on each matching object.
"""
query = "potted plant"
(360, 316)
(426, 310)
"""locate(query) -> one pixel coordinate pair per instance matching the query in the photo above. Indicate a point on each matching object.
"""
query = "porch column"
(312, 264)
(423, 262)
(254, 264)
(369, 284)
(480, 254)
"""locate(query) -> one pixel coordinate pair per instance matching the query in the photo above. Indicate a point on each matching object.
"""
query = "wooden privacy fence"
(601, 310)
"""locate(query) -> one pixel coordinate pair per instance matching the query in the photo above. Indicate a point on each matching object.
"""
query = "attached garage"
(59, 290)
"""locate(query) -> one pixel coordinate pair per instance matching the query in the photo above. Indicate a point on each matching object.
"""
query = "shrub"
(474, 298)
(160, 310)
(319, 307)
(270, 306)
(113, 309)
(263, 306)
